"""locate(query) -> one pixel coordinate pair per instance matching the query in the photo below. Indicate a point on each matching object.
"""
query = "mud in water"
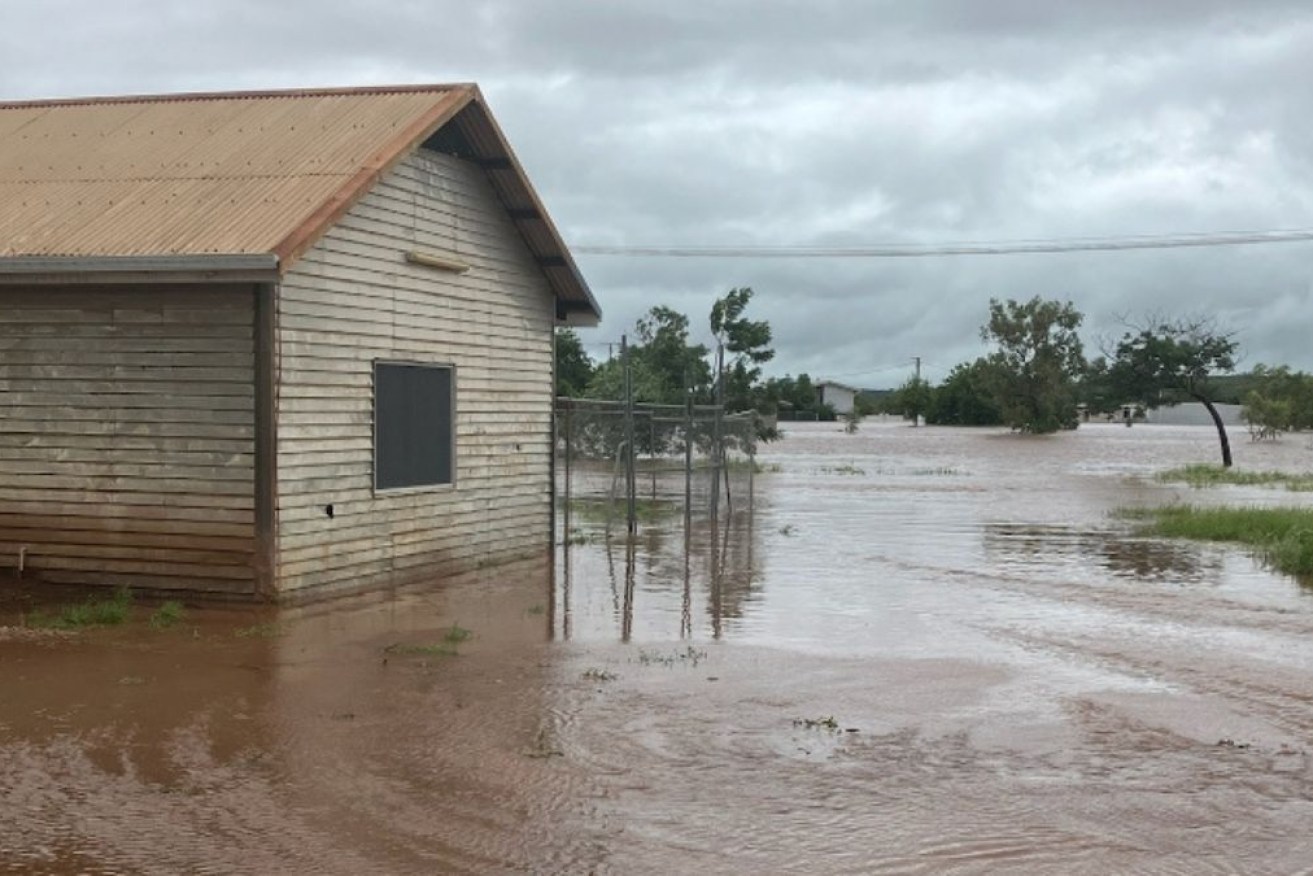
(923, 651)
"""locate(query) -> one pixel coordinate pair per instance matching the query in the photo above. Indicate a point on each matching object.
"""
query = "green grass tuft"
(266, 630)
(448, 647)
(1283, 537)
(91, 612)
(1203, 475)
(168, 614)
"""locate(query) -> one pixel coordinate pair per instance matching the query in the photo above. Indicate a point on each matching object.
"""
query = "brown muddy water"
(924, 651)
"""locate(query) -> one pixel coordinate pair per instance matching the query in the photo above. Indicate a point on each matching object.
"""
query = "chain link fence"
(621, 466)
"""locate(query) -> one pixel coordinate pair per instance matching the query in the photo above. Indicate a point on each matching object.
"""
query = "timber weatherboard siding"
(353, 299)
(126, 435)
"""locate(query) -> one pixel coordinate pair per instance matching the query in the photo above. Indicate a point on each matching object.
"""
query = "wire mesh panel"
(622, 467)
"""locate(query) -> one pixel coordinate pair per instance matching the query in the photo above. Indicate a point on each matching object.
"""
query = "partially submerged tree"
(964, 398)
(1282, 401)
(1168, 360)
(1032, 375)
(911, 401)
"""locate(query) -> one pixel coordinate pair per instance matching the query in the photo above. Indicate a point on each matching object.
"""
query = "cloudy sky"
(749, 123)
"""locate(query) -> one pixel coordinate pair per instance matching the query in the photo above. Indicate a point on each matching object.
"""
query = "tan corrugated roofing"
(232, 173)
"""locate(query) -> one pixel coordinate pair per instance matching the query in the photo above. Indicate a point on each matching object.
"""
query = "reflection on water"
(923, 651)
(679, 581)
(1094, 552)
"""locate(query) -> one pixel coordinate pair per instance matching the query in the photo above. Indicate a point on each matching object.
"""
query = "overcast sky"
(817, 123)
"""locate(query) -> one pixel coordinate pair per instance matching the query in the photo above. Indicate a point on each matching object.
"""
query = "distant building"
(839, 396)
(1193, 414)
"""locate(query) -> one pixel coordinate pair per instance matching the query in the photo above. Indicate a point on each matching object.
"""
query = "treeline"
(666, 367)
(1038, 379)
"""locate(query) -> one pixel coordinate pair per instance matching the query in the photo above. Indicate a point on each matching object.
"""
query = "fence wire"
(622, 466)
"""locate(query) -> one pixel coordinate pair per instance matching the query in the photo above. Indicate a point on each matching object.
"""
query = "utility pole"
(916, 415)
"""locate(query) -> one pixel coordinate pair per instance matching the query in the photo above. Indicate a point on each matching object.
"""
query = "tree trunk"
(1221, 429)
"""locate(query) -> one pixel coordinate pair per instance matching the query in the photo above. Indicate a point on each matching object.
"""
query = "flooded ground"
(924, 651)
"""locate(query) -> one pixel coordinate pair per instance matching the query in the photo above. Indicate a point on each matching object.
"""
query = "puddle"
(924, 651)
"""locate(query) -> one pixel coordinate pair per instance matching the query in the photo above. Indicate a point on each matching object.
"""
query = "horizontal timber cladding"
(126, 435)
(352, 300)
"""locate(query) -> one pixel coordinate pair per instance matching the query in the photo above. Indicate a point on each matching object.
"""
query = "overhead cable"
(1007, 247)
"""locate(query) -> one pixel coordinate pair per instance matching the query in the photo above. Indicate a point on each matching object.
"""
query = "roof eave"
(207, 268)
(497, 157)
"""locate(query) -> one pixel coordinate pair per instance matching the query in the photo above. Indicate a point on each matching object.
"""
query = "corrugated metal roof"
(235, 173)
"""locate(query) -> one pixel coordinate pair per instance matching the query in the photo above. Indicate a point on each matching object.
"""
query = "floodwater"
(923, 651)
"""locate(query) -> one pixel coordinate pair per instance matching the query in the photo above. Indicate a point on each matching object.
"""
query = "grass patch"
(1283, 537)
(689, 656)
(599, 510)
(439, 649)
(448, 647)
(826, 723)
(167, 615)
(91, 612)
(1204, 475)
(267, 630)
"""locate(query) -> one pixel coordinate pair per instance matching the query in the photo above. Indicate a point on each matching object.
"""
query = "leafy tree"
(912, 400)
(573, 367)
(1267, 417)
(747, 347)
(661, 360)
(1166, 360)
(1032, 374)
(792, 396)
(665, 351)
(1282, 401)
(965, 398)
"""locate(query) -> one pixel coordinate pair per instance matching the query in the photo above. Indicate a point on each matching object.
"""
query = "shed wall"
(126, 422)
(353, 299)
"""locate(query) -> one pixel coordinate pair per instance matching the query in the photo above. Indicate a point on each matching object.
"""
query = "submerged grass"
(91, 612)
(1282, 536)
(599, 510)
(448, 647)
(1204, 475)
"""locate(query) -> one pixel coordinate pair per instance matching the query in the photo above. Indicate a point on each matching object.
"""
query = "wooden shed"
(274, 344)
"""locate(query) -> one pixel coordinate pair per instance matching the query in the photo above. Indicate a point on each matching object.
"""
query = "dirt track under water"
(926, 651)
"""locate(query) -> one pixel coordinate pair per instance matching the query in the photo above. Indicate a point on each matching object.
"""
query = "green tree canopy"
(573, 367)
(1163, 361)
(1282, 401)
(1032, 374)
(965, 398)
(912, 400)
(747, 348)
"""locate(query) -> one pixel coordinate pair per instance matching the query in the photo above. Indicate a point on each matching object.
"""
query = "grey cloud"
(823, 123)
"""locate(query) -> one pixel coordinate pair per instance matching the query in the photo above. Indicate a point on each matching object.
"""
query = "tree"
(1032, 375)
(964, 398)
(573, 367)
(1166, 359)
(1281, 401)
(747, 346)
(912, 400)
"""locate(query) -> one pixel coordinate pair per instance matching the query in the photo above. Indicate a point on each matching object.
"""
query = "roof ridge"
(185, 96)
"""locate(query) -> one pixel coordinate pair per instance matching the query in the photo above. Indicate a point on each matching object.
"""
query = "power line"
(966, 248)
